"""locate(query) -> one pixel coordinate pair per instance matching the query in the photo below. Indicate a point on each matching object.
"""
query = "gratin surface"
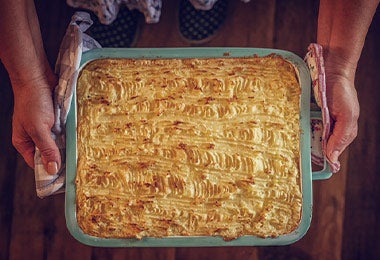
(188, 147)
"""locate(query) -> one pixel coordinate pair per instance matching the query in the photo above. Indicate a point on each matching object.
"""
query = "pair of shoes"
(200, 26)
(121, 33)
(195, 26)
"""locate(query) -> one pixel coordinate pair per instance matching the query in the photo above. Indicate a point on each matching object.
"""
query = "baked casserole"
(188, 147)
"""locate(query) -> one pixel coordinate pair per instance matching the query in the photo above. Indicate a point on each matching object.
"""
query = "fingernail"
(334, 156)
(52, 168)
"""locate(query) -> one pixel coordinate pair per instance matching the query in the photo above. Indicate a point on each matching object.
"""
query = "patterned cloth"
(107, 10)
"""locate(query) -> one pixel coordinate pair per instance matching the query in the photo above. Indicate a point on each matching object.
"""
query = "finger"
(50, 155)
(343, 134)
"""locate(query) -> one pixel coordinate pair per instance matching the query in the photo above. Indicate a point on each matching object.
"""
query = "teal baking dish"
(306, 171)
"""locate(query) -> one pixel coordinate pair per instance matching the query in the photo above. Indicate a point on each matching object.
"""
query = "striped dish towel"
(74, 43)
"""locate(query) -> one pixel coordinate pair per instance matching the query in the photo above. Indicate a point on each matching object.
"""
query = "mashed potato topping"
(188, 147)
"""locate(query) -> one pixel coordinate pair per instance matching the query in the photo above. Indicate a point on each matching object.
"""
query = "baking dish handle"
(323, 174)
(317, 153)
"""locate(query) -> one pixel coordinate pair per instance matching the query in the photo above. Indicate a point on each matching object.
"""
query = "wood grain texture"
(346, 207)
(8, 159)
(361, 224)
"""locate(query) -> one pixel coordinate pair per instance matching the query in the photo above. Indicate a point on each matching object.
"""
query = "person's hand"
(343, 104)
(33, 119)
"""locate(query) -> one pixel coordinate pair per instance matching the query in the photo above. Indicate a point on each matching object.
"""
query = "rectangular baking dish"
(207, 241)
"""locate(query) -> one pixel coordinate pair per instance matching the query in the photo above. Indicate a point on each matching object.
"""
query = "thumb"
(344, 132)
(50, 155)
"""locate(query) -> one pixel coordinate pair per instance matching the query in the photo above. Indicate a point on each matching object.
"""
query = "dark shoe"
(121, 33)
(199, 26)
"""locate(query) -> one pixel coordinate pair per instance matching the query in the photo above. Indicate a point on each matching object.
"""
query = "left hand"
(343, 104)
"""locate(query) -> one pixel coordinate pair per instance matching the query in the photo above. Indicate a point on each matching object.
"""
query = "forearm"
(342, 29)
(21, 48)
(22, 53)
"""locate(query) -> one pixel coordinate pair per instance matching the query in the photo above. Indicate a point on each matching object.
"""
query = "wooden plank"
(134, 253)
(58, 242)
(361, 237)
(27, 228)
(163, 33)
(8, 157)
(220, 253)
(39, 224)
(295, 25)
(248, 25)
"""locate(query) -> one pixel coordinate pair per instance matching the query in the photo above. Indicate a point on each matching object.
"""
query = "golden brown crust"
(188, 147)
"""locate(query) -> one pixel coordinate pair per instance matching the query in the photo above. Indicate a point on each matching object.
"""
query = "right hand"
(33, 118)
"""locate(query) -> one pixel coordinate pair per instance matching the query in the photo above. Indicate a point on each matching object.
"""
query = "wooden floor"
(346, 207)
